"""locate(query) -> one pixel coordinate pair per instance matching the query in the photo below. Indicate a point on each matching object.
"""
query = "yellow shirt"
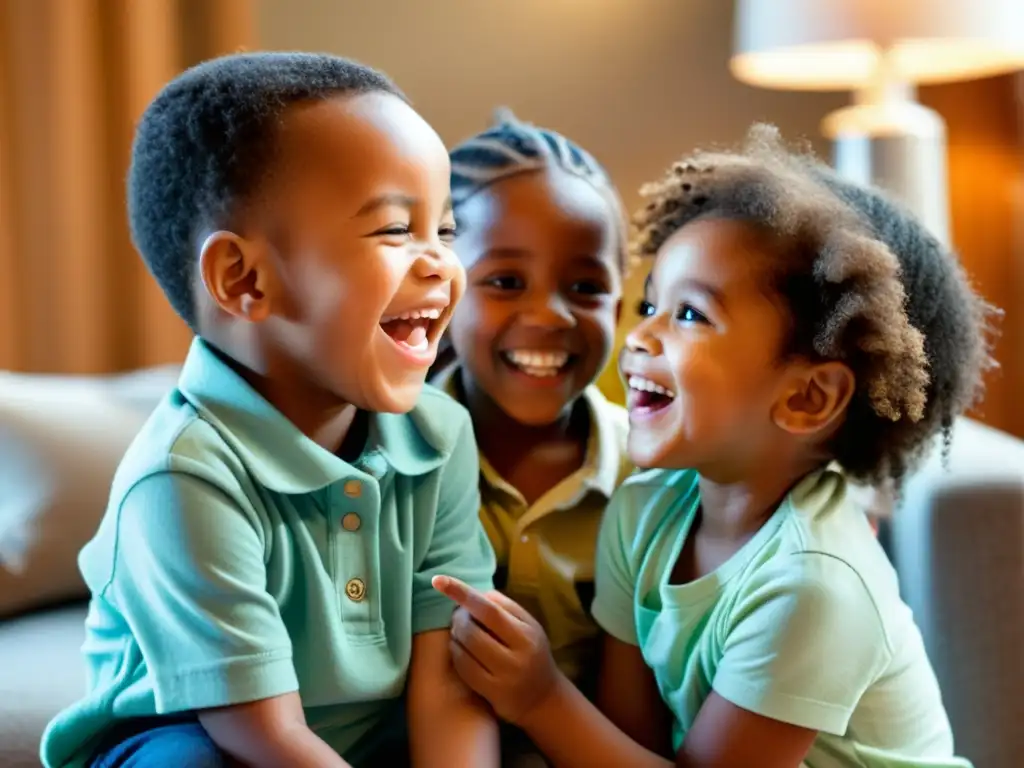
(546, 552)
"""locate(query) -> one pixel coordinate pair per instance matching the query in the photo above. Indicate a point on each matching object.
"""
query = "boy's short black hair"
(865, 281)
(204, 144)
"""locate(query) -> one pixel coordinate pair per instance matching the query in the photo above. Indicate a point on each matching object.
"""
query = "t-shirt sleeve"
(190, 582)
(615, 580)
(459, 545)
(804, 644)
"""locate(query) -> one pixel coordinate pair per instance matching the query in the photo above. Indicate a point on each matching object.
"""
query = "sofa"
(60, 441)
(956, 538)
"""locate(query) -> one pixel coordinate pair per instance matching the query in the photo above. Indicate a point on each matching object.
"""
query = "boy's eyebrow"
(502, 252)
(401, 201)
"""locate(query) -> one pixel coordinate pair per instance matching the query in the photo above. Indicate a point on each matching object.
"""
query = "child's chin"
(642, 455)
(393, 398)
(648, 453)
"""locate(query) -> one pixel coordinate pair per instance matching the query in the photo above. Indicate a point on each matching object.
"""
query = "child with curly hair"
(799, 332)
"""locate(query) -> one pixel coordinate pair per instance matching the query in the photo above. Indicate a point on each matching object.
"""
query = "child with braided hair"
(541, 235)
(799, 332)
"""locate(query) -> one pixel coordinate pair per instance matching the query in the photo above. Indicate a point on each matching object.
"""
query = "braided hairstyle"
(865, 282)
(511, 147)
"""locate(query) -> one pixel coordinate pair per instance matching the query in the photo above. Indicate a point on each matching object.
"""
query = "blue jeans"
(171, 745)
(162, 743)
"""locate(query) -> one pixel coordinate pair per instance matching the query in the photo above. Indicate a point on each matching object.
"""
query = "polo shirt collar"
(277, 453)
(603, 458)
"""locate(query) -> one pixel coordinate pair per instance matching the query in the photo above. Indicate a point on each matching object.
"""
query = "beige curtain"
(75, 75)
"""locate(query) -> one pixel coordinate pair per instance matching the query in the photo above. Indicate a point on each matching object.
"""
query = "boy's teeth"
(416, 314)
(530, 359)
(646, 385)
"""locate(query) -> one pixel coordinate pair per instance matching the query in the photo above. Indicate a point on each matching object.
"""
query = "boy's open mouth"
(540, 364)
(647, 396)
(413, 329)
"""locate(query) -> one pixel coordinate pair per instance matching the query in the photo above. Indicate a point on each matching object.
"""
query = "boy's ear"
(237, 275)
(814, 398)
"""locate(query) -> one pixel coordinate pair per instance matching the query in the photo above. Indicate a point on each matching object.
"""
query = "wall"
(637, 82)
(985, 133)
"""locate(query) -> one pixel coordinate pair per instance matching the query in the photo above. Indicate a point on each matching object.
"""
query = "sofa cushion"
(61, 439)
(41, 674)
(958, 544)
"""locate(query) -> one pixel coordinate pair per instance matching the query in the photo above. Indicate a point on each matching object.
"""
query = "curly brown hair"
(865, 283)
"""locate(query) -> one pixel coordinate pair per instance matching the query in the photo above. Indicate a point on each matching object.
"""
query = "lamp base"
(899, 147)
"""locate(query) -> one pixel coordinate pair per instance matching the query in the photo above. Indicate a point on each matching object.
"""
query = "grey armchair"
(957, 541)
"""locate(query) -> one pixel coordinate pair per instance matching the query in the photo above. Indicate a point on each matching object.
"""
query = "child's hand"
(499, 650)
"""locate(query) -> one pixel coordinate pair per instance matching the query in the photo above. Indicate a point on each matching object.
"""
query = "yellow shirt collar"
(603, 458)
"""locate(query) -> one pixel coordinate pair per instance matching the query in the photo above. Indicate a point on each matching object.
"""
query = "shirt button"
(525, 538)
(353, 489)
(355, 590)
(351, 522)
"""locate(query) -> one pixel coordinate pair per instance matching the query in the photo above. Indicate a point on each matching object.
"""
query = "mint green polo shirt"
(804, 624)
(238, 560)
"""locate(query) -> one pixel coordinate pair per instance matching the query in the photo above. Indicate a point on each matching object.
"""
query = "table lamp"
(881, 50)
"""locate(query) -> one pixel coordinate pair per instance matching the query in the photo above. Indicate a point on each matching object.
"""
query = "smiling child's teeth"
(415, 314)
(525, 358)
(539, 363)
(646, 385)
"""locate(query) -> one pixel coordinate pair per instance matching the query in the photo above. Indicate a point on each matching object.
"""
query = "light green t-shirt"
(238, 560)
(803, 625)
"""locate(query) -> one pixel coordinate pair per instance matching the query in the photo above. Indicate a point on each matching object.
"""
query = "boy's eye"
(589, 288)
(394, 230)
(447, 233)
(687, 314)
(505, 283)
(645, 309)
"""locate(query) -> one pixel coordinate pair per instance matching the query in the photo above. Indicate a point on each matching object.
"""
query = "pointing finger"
(485, 611)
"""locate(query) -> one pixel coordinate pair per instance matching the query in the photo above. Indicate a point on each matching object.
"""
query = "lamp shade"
(838, 44)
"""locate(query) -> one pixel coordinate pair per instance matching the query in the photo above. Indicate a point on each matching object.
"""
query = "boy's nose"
(438, 264)
(548, 311)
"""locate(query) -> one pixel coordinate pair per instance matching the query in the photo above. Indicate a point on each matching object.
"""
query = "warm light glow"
(850, 44)
(850, 64)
